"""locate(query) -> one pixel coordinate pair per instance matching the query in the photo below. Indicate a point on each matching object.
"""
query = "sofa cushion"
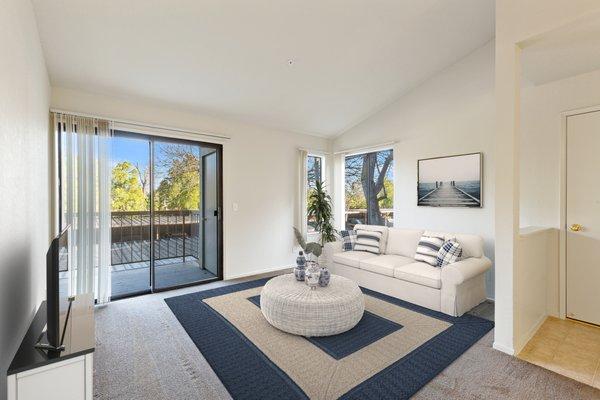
(377, 228)
(385, 264)
(420, 273)
(403, 242)
(472, 245)
(351, 258)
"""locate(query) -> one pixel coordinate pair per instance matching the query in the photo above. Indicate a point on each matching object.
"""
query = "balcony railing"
(176, 235)
(359, 216)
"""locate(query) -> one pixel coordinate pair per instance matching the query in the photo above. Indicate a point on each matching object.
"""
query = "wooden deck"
(448, 195)
(135, 277)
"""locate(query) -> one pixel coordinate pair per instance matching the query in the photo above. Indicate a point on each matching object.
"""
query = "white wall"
(516, 22)
(541, 108)
(24, 176)
(540, 159)
(538, 256)
(451, 113)
(259, 174)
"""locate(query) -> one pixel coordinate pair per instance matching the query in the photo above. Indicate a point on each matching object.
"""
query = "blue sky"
(132, 150)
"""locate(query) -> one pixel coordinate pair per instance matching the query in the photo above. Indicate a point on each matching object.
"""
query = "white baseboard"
(530, 333)
(286, 268)
(505, 349)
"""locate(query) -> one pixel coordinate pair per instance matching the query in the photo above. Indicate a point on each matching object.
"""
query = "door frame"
(219, 182)
(562, 250)
(218, 147)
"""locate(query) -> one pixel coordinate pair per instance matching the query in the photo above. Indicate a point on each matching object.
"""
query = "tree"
(314, 170)
(370, 171)
(180, 187)
(355, 199)
(144, 176)
(126, 190)
(388, 200)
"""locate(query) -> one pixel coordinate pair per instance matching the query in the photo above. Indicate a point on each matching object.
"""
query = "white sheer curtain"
(86, 182)
(301, 224)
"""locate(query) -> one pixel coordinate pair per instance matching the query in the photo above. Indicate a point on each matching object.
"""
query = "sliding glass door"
(167, 229)
(130, 215)
(179, 214)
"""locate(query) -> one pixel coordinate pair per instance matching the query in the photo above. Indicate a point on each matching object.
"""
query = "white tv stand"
(37, 374)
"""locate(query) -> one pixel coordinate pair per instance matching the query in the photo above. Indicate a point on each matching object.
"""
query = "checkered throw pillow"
(428, 249)
(449, 253)
(348, 240)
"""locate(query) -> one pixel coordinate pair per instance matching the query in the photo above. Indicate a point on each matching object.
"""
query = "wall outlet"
(235, 206)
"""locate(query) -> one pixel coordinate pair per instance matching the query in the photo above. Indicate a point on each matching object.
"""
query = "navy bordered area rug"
(394, 350)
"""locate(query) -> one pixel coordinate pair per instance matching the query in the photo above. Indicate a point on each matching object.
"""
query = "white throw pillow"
(367, 241)
(403, 242)
(428, 249)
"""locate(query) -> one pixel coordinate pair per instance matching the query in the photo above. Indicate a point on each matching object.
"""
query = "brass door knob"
(575, 227)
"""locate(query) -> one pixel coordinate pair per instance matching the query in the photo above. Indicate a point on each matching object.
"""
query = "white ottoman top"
(293, 307)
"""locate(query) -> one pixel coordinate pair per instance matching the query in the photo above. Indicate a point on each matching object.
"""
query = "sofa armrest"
(329, 250)
(461, 290)
(459, 272)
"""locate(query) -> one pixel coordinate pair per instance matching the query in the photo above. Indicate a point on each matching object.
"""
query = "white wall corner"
(504, 348)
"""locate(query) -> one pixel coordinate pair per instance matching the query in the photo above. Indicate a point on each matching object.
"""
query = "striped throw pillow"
(449, 253)
(367, 241)
(428, 249)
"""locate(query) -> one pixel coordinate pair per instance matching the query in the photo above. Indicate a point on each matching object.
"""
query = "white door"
(583, 217)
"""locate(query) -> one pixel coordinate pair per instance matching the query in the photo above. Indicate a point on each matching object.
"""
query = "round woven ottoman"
(292, 307)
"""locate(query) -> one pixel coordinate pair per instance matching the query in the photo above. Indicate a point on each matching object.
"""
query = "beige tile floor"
(566, 347)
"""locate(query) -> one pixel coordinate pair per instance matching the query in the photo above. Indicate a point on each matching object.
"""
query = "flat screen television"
(58, 270)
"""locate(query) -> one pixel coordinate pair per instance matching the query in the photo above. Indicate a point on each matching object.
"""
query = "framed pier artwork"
(450, 181)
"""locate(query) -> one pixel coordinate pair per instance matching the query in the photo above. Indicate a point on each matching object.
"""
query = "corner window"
(369, 189)
(314, 169)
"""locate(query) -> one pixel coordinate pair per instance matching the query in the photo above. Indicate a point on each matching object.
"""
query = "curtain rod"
(365, 148)
(316, 152)
(141, 124)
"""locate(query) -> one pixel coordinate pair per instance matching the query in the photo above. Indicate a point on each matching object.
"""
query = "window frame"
(312, 234)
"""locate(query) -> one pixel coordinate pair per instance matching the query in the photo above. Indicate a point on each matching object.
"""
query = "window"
(314, 174)
(369, 188)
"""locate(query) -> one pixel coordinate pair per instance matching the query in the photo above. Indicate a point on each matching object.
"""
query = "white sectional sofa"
(453, 289)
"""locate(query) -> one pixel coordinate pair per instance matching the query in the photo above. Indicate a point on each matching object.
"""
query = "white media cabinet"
(35, 374)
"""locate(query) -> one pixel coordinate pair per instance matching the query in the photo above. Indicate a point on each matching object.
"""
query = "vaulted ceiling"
(310, 66)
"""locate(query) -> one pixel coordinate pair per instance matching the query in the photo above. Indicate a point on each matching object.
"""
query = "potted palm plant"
(320, 210)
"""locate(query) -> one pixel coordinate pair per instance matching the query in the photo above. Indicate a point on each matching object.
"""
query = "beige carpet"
(144, 353)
